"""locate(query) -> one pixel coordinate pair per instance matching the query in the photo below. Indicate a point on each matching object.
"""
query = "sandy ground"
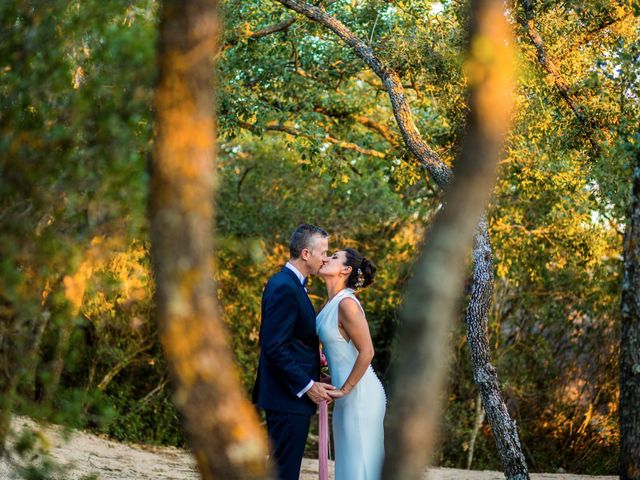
(85, 454)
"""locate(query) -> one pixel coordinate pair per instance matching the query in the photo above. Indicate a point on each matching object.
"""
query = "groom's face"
(317, 253)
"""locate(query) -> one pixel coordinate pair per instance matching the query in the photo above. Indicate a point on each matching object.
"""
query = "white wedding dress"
(358, 433)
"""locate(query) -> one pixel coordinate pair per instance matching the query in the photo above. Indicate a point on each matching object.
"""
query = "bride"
(360, 401)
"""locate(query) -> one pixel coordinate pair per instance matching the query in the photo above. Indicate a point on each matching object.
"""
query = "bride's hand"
(337, 393)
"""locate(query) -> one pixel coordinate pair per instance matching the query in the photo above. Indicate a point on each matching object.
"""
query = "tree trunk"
(221, 425)
(8, 383)
(436, 286)
(476, 429)
(57, 364)
(504, 429)
(19, 348)
(630, 341)
(482, 289)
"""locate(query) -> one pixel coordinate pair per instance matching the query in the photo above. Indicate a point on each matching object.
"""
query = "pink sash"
(323, 447)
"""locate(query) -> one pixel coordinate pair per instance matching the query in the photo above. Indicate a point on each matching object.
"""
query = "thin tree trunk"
(512, 460)
(221, 425)
(630, 341)
(19, 348)
(57, 364)
(121, 365)
(17, 354)
(31, 375)
(9, 376)
(504, 429)
(477, 424)
(37, 330)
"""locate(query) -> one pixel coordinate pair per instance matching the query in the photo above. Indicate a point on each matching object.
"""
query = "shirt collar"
(296, 271)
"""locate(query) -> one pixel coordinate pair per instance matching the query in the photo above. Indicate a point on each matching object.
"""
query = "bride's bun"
(369, 271)
(364, 278)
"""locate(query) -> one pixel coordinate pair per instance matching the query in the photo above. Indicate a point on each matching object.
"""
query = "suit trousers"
(288, 433)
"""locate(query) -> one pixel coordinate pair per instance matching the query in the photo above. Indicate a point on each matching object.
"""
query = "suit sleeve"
(280, 314)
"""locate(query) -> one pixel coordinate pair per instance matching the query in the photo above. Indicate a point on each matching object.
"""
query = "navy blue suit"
(289, 360)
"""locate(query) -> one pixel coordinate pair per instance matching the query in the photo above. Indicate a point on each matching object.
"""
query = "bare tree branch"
(527, 22)
(247, 33)
(278, 27)
(353, 146)
(277, 127)
(383, 130)
(593, 33)
(111, 374)
(296, 64)
(263, 32)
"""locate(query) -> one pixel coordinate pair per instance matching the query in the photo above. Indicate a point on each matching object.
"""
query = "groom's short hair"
(302, 238)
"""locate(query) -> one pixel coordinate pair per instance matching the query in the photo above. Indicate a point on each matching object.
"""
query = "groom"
(287, 385)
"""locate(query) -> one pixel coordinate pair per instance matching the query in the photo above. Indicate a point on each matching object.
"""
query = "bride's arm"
(354, 323)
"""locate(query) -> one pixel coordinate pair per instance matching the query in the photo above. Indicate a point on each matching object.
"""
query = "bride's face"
(335, 266)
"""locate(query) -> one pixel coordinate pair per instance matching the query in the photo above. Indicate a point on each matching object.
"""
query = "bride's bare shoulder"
(349, 307)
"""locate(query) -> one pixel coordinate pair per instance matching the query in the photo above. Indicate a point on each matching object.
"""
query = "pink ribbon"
(323, 447)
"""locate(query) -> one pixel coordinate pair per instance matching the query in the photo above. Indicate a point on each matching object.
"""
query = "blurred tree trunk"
(50, 387)
(436, 286)
(20, 341)
(504, 429)
(19, 348)
(221, 425)
(9, 376)
(37, 329)
(630, 340)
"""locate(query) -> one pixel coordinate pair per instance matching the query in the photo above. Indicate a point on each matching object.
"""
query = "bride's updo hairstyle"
(363, 271)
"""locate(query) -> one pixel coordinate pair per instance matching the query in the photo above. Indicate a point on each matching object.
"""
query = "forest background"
(306, 134)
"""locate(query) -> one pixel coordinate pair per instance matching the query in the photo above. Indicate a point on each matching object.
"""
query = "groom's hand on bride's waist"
(320, 392)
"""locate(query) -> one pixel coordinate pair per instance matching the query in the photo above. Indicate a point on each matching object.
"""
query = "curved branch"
(593, 33)
(278, 127)
(263, 32)
(440, 172)
(278, 27)
(353, 146)
(275, 28)
(111, 374)
(383, 130)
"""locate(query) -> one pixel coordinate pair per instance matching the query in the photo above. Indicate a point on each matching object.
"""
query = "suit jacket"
(289, 346)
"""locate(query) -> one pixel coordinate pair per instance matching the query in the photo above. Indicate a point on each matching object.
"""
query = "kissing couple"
(288, 385)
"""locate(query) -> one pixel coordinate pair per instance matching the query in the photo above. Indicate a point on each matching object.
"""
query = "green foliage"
(151, 420)
(76, 80)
